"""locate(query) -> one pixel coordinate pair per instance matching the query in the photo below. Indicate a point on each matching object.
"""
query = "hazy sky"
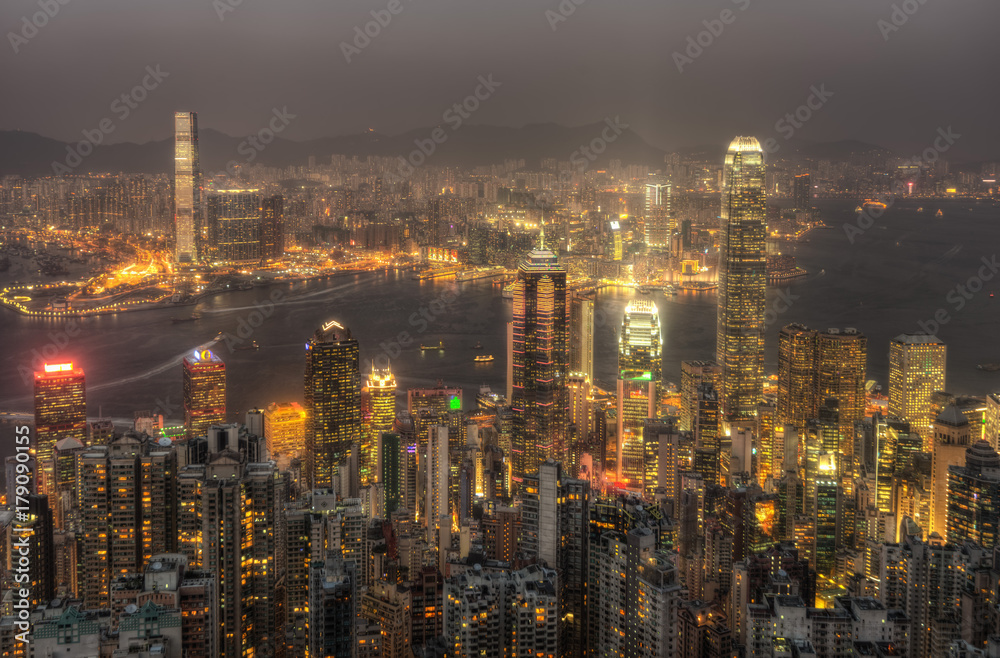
(607, 58)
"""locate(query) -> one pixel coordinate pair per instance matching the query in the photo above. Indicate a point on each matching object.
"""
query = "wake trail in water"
(163, 367)
(288, 301)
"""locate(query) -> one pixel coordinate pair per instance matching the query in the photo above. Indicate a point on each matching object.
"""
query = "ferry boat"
(483, 358)
(439, 346)
(939, 213)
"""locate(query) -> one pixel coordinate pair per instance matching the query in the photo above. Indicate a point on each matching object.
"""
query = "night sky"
(233, 61)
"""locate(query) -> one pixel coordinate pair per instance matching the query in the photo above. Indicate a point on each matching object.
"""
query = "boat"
(939, 213)
(252, 346)
(483, 358)
(190, 318)
(477, 346)
(920, 209)
(875, 203)
(438, 346)
(989, 367)
(859, 209)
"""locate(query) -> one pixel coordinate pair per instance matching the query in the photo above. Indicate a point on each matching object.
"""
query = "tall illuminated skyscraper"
(541, 362)
(916, 371)
(640, 371)
(187, 187)
(204, 392)
(380, 394)
(742, 279)
(693, 375)
(60, 411)
(332, 400)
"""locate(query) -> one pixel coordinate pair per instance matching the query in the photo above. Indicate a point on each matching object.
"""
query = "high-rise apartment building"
(272, 227)
(916, 370)
(187, 187)
(332, 401)
(285, 428)
(742, 280)
(974, 497)
(204, 392)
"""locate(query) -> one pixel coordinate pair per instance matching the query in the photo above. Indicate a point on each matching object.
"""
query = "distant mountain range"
(30, 154)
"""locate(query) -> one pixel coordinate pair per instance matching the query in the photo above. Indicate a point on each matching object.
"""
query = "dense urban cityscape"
(630, 402)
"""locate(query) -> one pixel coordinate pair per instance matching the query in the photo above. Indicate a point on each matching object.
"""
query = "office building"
(541, 362)
(187, 188)
(742, 280)
(916, 370)
(693, 375)
(60, 412)
(285, 428)
(204, 392)
(974, 497)
(332, 401)
(272, 227)
(234, 219)
(581, 345)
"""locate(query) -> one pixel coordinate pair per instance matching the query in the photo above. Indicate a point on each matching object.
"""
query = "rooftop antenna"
(541, 235)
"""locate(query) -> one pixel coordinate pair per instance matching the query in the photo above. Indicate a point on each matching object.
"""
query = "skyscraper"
(581, 347)
(658, 218)
(381, 387)
(234, 218)
(974, 497)
(60, 411)
(640, 371)
(204, 391)
(332, 400)
(916, 371)
(693, 375)
(742, 279)
(541, 362)
(284, 428)
(802, 192)
(816, 365)
(187, 187)
(272, 227)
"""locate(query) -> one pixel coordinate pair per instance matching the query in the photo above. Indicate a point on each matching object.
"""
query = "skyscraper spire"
(541, 235)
